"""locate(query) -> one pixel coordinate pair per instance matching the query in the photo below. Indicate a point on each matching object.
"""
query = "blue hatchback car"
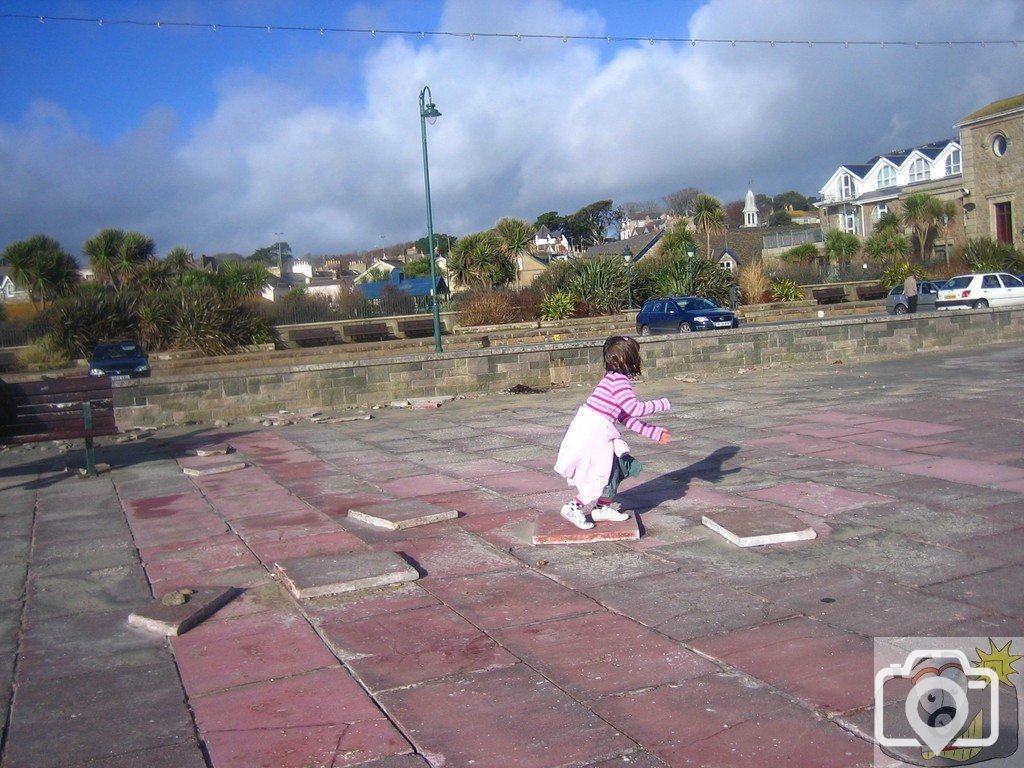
(677, 314)
(119, 360)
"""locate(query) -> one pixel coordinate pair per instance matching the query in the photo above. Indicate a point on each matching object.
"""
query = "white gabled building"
(856, 195)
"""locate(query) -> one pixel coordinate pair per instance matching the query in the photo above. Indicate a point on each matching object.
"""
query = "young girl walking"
(593, 457)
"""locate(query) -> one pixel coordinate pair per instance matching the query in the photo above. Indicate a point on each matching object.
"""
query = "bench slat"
(77, 385)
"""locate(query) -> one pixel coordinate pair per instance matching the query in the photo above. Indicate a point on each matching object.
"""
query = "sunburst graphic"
(999, 660)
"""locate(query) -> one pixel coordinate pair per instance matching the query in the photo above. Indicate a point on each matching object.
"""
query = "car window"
(116, 351)
(1012, 282)
(897, 290)
(958, 282)
(990, 281)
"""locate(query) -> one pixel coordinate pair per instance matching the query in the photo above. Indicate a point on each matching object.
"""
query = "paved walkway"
(678, 649)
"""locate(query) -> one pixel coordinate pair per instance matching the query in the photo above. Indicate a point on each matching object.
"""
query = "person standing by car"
(734, 297)
(910, 291)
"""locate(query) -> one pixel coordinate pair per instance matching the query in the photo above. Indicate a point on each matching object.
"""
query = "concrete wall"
(233, 396)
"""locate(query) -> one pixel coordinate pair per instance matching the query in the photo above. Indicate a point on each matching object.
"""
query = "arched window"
(953, 163)
(886, 177)
(920, 170)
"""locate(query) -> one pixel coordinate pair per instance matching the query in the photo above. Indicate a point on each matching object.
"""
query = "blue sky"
(218, 140)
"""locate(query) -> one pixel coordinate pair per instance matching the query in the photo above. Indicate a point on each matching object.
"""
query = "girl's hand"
(665, 437)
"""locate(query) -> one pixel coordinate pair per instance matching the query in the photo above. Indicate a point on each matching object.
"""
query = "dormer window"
(846, 186)
(886, 177)
(920, 170)
(953, 163)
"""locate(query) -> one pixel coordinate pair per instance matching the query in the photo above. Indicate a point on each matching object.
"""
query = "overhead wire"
(517, 36)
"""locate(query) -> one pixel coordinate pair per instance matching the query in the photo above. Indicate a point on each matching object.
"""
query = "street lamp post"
(690, 253)
(429, 113)
(280, 259)
(627, 255)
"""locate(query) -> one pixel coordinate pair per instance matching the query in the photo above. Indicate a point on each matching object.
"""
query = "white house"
(550, 241)
(642, 223)
(857, 195)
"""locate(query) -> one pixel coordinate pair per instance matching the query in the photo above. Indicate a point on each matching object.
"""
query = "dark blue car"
(676, 314)
(119, 360)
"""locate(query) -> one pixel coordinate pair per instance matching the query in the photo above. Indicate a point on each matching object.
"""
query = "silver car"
(896, 303)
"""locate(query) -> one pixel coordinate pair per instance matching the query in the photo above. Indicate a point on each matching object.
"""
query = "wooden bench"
(313, 336)
(417, 326)
(368, 331)
(832, 295)
(870, 292)
(62, 409)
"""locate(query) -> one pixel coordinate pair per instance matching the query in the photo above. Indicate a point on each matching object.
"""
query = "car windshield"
(116, 351)
(957, 282)
(696, 303)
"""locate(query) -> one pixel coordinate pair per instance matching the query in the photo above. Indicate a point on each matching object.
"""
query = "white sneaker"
(603, 513)
(573, 512)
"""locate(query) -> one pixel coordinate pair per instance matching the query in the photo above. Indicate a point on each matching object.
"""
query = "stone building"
(992, 141)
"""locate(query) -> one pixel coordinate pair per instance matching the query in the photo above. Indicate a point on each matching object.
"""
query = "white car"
(985, 289)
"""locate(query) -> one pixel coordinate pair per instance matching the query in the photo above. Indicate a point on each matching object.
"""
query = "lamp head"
(691, 251)
(430, 113)
(627, 254)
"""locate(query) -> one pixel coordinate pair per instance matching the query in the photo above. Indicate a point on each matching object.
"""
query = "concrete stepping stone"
(308, 577)
(552, 528)
(758, 527)
(210, 449)
(177, 612)
(214, 468)
(401, 513)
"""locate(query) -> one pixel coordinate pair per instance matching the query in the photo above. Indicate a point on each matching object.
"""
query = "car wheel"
(900, 309)
(645, 330)
(684, 328)
(980, 304)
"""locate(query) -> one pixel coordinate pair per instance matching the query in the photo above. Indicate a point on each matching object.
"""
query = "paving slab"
(510, 716)
(729, 721)
(829, 669)
(205, 467)
(99, 715)
(507, 598)
(601, 653)
(247, 649)
(171, 617)
(554, 529)
(330, 574)
(401, 513)
(410, 647)
(757, 528)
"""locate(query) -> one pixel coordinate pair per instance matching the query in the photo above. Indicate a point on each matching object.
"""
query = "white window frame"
(886, 177)
(848, 220)
(953, 163)
(920, 170)
(847, 188)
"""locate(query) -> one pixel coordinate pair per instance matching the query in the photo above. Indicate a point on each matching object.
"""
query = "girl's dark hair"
(622, 354)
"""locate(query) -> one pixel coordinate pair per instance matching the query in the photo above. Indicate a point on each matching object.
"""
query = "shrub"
(84, 319)
(985, 255)
(558, 306)
(206, 321)
(898, 272)
(755, 285)
(44, 353)
(787, 290)
(600, 286)
(486, 307)
(556, 277)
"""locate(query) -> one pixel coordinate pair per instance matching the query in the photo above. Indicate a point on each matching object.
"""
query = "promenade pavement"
(676, 649)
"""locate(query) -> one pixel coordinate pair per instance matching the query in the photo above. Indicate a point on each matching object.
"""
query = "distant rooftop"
(1003, 105)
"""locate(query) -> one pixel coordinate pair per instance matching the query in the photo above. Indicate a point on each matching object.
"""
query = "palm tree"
(840, 247)
(117, 255)
(478, 259)
(678, 239)
(708, 216)
(179, 259)
(516, 237)
(888, 246)
(40, 264)
(921, 212)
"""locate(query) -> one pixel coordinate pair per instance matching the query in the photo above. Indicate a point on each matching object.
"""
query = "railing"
(791, 238)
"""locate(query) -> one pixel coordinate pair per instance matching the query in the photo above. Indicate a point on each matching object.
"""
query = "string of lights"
(518, 36)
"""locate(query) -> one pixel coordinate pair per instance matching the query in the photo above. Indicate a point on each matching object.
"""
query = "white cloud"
(527, 126)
